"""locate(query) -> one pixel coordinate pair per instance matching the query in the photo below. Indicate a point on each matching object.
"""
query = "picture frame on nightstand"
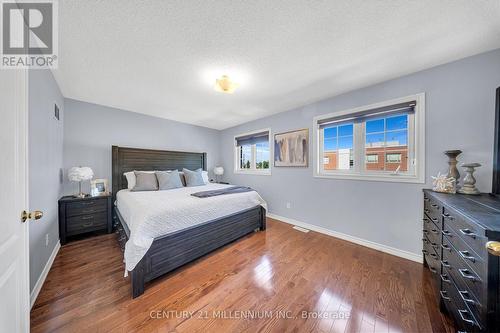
(99, 187)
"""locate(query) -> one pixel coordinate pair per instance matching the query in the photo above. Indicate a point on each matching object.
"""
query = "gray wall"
(90, 130)
(45, 163)
(460, 114)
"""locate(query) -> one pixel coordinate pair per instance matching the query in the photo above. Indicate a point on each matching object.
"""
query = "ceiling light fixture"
(225, 85)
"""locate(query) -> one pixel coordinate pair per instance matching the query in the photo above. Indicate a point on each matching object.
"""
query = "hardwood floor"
(275, 276)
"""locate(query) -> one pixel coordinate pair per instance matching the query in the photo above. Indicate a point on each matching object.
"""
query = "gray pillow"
(168, 180)
(193, 178)
(145, 181)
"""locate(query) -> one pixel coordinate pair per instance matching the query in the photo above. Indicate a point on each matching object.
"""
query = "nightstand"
(81, 215)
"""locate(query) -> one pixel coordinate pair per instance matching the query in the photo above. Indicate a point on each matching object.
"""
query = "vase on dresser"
(452, 163)
(469, 181)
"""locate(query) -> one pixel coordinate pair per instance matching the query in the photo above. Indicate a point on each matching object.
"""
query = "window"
(384, 141)
(252, 153)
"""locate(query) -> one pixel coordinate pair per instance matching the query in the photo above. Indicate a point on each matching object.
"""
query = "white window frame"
(416, 146)
(253, 169)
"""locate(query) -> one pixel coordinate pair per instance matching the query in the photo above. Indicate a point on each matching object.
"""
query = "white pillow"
(131, 178)
(204, 174)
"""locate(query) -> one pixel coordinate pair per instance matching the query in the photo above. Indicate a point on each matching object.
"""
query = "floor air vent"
(300, 228)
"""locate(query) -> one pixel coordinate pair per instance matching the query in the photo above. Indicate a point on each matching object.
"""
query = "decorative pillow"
(130, 179)
(145, 181)
(183, 179)
(193, 178)
(168, 180)
(130, 176)
(205, 177)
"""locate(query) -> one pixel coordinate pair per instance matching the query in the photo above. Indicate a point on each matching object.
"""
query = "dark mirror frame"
(495, 189)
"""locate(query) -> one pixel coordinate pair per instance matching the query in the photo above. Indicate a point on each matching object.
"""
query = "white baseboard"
(372, 245)
(45, 272)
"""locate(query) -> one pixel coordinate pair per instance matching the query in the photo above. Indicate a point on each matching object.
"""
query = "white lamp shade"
(77, 174)
(219, 171)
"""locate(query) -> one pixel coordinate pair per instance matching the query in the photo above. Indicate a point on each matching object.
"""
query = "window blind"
(253, 138)
(407, 107)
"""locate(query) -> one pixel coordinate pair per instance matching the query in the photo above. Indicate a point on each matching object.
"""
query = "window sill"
(253, 172)
(377, 178)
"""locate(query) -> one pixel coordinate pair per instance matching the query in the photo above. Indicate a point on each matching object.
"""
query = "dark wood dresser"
(81, 215)
(456, 232)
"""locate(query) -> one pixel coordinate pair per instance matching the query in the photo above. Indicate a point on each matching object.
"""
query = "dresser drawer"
(86, 223)
(477, 263)
(433, 234)
(471, 233)
(429, 247)
(456, 305)
(460, 271)
(433, 209)
(86, 207)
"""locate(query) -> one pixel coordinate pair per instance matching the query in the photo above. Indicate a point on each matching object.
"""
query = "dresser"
(460, 248)
(81, 215)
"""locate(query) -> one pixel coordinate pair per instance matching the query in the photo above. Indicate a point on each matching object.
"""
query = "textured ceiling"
(162, 57)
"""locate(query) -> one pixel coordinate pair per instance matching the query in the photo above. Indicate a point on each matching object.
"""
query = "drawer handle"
(445, 247)
(443, 293)
(426, 220)
(467, 274)
(466, 255)
(434, 206)
(87, 224)
(445, 263)
(447, 233)
(425, 241)
(87, 217)
(434, 231)
(463, 294)
(448, 216)
(427, 211)
(434, 255)
(467, 232)
(444, 278)
(425, 252)
(433, 270)
(461, 313)
(426, 199)
(425, 231)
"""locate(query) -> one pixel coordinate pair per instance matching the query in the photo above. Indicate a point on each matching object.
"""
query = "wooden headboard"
(130, 159)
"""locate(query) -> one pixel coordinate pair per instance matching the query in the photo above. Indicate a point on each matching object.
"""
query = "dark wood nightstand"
(82, 215)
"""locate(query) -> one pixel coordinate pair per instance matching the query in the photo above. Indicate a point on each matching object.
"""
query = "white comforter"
(152, 214)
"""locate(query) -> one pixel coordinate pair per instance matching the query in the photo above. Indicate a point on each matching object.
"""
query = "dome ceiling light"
(225, 85)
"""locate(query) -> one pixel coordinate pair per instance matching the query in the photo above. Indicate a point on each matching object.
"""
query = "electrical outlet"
(288, 205)
(46, 239)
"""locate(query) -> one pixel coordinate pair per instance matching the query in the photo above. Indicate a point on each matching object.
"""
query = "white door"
(14, 264)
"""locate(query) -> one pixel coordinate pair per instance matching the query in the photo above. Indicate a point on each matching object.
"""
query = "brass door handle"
(493, 248)
(35, 215)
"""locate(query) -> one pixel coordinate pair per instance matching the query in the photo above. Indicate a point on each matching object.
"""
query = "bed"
(189, 232)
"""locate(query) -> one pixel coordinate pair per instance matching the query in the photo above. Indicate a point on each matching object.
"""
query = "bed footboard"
(181, 247)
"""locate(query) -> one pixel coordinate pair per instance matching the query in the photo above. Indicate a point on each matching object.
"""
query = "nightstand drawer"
(85, 223)
(86, 207)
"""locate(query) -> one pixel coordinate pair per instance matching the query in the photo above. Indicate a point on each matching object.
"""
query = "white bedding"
(151, 214)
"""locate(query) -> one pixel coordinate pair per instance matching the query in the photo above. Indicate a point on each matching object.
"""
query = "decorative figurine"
(469, 180)
(452, 162)
(443, 183)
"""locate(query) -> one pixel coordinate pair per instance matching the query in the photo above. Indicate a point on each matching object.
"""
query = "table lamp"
(79, 174)
(218, 171)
